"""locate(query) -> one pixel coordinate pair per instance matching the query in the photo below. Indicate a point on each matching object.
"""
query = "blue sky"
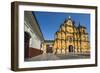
(50, 22)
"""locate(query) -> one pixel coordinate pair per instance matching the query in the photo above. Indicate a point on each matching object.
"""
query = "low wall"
(34, 52)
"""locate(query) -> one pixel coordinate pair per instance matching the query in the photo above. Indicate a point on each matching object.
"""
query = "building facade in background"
(47, 46)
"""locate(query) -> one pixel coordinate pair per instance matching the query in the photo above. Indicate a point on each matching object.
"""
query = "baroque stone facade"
(71, 38)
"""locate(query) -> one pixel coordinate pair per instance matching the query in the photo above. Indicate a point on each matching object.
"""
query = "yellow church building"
(71, 39)
(68, 39)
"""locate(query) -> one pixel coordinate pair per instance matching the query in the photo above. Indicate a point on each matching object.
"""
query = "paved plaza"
(50, 56)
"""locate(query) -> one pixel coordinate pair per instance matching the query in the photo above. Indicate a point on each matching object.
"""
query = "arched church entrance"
(71, 48)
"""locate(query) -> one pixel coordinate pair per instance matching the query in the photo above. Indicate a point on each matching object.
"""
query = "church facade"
(71, 38)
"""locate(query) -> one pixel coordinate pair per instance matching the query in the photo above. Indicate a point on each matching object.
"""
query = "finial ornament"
(69, 17)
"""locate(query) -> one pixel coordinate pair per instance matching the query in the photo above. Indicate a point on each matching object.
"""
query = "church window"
(70, 39)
